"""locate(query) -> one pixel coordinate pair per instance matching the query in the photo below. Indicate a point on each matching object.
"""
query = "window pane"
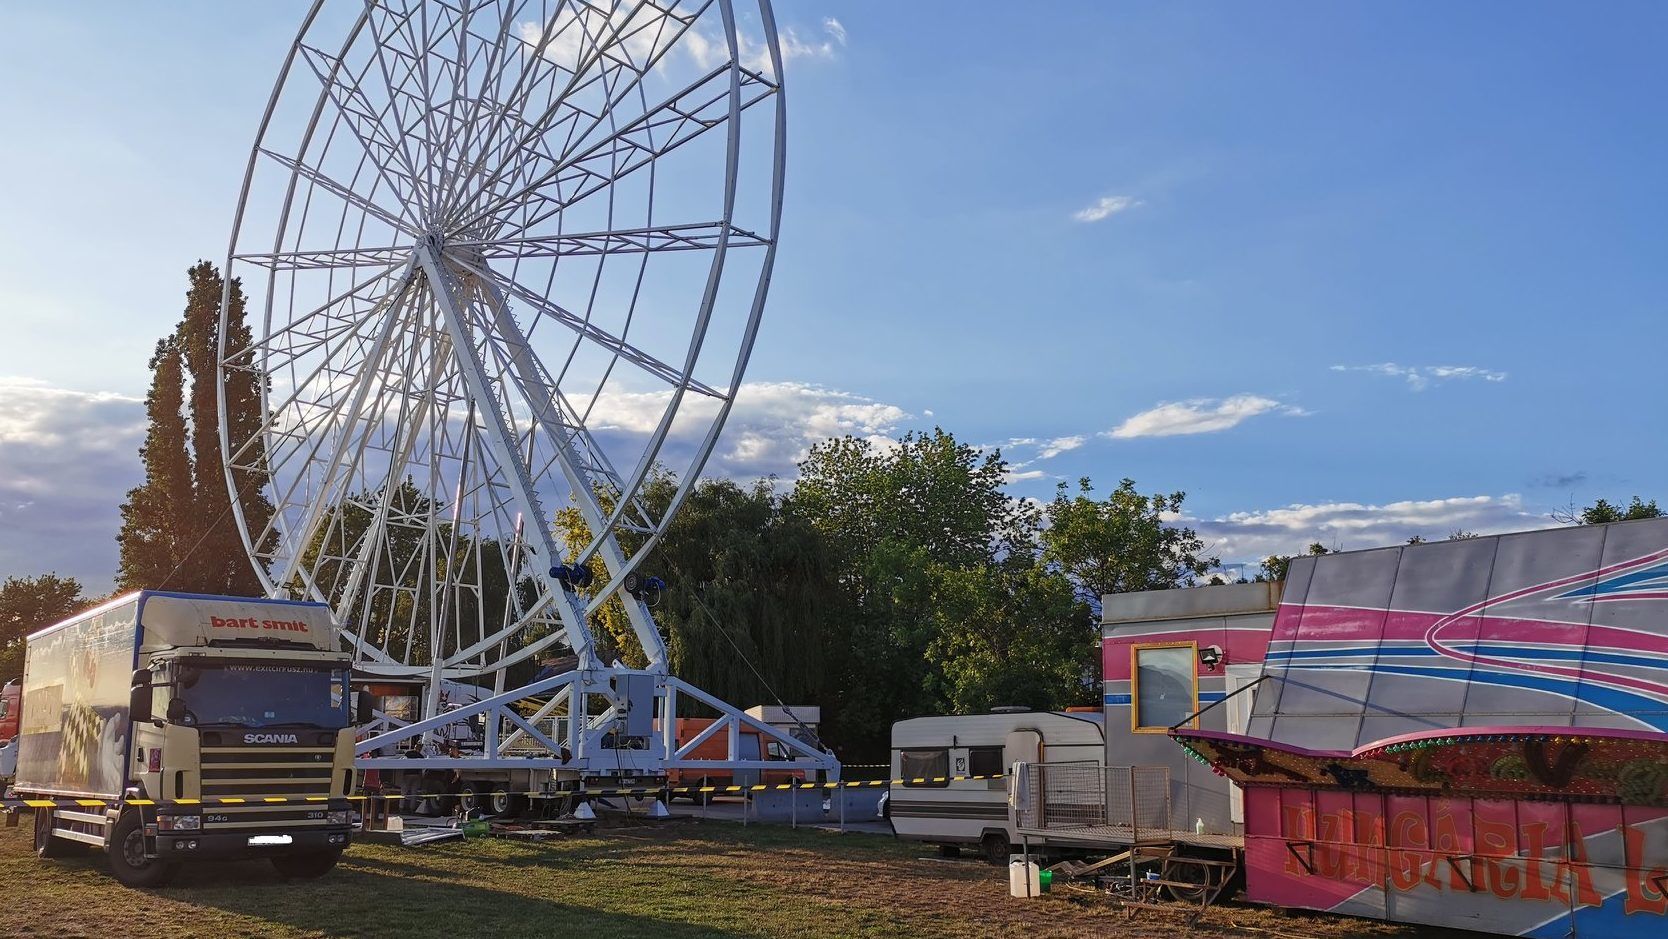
(984, 761)
(927, 764)
(1165, 680)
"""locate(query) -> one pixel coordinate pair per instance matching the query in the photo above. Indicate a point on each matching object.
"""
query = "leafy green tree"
(1010, 633)
(749, 591)
(1276, 566)
(1123, 543)
(178, 529)
(156, 531)
(895, 518)
(926, 491)
(1602, 511)
(28, 604)
(746, 581)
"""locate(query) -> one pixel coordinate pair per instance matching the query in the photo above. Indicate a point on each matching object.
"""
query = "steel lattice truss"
(501, 259)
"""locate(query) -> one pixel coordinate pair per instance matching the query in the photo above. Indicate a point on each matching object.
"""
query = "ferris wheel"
(503, 262)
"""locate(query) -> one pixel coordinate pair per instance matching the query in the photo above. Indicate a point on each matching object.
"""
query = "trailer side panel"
(73, 736)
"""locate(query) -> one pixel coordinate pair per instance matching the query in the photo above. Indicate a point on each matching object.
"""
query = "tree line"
(889, 580)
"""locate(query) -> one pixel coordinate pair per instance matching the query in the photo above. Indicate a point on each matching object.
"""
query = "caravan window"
(1166, 685)
(925, 765)
(984, 761)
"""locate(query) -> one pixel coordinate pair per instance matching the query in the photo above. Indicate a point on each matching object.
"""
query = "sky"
(1343, 273)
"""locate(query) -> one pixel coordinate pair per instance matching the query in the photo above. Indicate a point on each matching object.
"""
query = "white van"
(927, 803)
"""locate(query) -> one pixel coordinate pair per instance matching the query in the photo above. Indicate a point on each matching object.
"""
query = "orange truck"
(716, 747)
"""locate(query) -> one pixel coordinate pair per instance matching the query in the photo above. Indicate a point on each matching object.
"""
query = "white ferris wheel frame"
(458, 280)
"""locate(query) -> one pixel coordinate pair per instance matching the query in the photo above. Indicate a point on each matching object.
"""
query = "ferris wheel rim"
(707, 442)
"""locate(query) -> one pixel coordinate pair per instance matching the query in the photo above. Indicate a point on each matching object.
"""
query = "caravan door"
(1239, 718)
(1021, 746)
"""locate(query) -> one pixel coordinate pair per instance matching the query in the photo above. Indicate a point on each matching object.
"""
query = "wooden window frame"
(1135, 684)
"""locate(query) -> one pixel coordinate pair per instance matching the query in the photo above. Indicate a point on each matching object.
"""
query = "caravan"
(942, 789)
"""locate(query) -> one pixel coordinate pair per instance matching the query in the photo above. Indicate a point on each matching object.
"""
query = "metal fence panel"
(1126, 804)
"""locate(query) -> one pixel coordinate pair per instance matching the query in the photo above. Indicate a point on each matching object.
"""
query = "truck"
(753, 747)
(163, 728)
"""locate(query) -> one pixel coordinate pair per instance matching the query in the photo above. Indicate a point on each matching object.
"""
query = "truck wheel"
(306, 866)
(48, 847)
(702, 798)
(127, 856)
(473, 799)
(505, 804)
(994, 846)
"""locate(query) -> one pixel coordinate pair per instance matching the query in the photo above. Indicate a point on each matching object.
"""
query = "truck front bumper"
(189, 845)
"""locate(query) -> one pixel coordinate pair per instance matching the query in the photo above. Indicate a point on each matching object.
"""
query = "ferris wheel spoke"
(389, 257)
(463, 131)
(348, 440)
(385, 150)
(700, 236)
(401, 221)
(599, 34)
(597, 335)
(419, 53)
(652, 136)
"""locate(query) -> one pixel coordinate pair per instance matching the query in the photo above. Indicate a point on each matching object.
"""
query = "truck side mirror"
(139, 700)
(365, 708)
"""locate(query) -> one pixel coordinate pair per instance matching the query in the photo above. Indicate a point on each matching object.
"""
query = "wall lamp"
(1210, 657)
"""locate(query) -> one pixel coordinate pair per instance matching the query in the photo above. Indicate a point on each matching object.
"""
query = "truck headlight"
(336, 818)
(179, 823)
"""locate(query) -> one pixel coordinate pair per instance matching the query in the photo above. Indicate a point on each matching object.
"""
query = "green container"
(1045, 879)
(475, 828)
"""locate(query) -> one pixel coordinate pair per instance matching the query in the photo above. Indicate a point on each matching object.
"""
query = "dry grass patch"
(674, 882)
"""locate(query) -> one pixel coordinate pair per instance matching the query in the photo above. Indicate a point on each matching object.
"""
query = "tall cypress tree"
(155, 518)
(178, 530)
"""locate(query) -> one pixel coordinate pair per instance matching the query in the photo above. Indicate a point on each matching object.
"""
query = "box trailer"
(168, 727)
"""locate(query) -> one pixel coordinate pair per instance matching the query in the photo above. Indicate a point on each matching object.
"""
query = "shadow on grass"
(371, 894)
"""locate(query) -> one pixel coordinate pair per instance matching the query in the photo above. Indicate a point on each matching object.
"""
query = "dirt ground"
(678, 880)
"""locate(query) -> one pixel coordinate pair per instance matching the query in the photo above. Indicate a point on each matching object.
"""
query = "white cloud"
(1059, 445)
(1105, 207)
(67, 458)
(643, 33)
(1420, 377)
(1251, 536)
(770, 429)
(1199, 416)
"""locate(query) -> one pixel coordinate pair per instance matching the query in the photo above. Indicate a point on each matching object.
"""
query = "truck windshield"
(264, 695)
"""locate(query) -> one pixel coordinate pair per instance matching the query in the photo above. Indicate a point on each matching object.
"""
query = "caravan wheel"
(994, 846)
(1177, 870)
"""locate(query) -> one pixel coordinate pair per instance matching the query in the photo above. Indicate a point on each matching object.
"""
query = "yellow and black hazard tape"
(639, 792)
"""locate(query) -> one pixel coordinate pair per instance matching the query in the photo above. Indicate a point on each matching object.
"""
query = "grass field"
(674, 882)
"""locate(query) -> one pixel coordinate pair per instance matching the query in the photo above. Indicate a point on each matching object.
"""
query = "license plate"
(270, 839)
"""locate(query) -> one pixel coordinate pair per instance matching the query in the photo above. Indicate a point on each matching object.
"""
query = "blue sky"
(1344, 272)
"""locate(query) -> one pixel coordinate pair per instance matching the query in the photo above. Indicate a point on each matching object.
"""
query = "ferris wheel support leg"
(498, 439)
(542, 397)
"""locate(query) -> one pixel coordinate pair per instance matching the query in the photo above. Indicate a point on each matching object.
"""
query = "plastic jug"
(1023, 877)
